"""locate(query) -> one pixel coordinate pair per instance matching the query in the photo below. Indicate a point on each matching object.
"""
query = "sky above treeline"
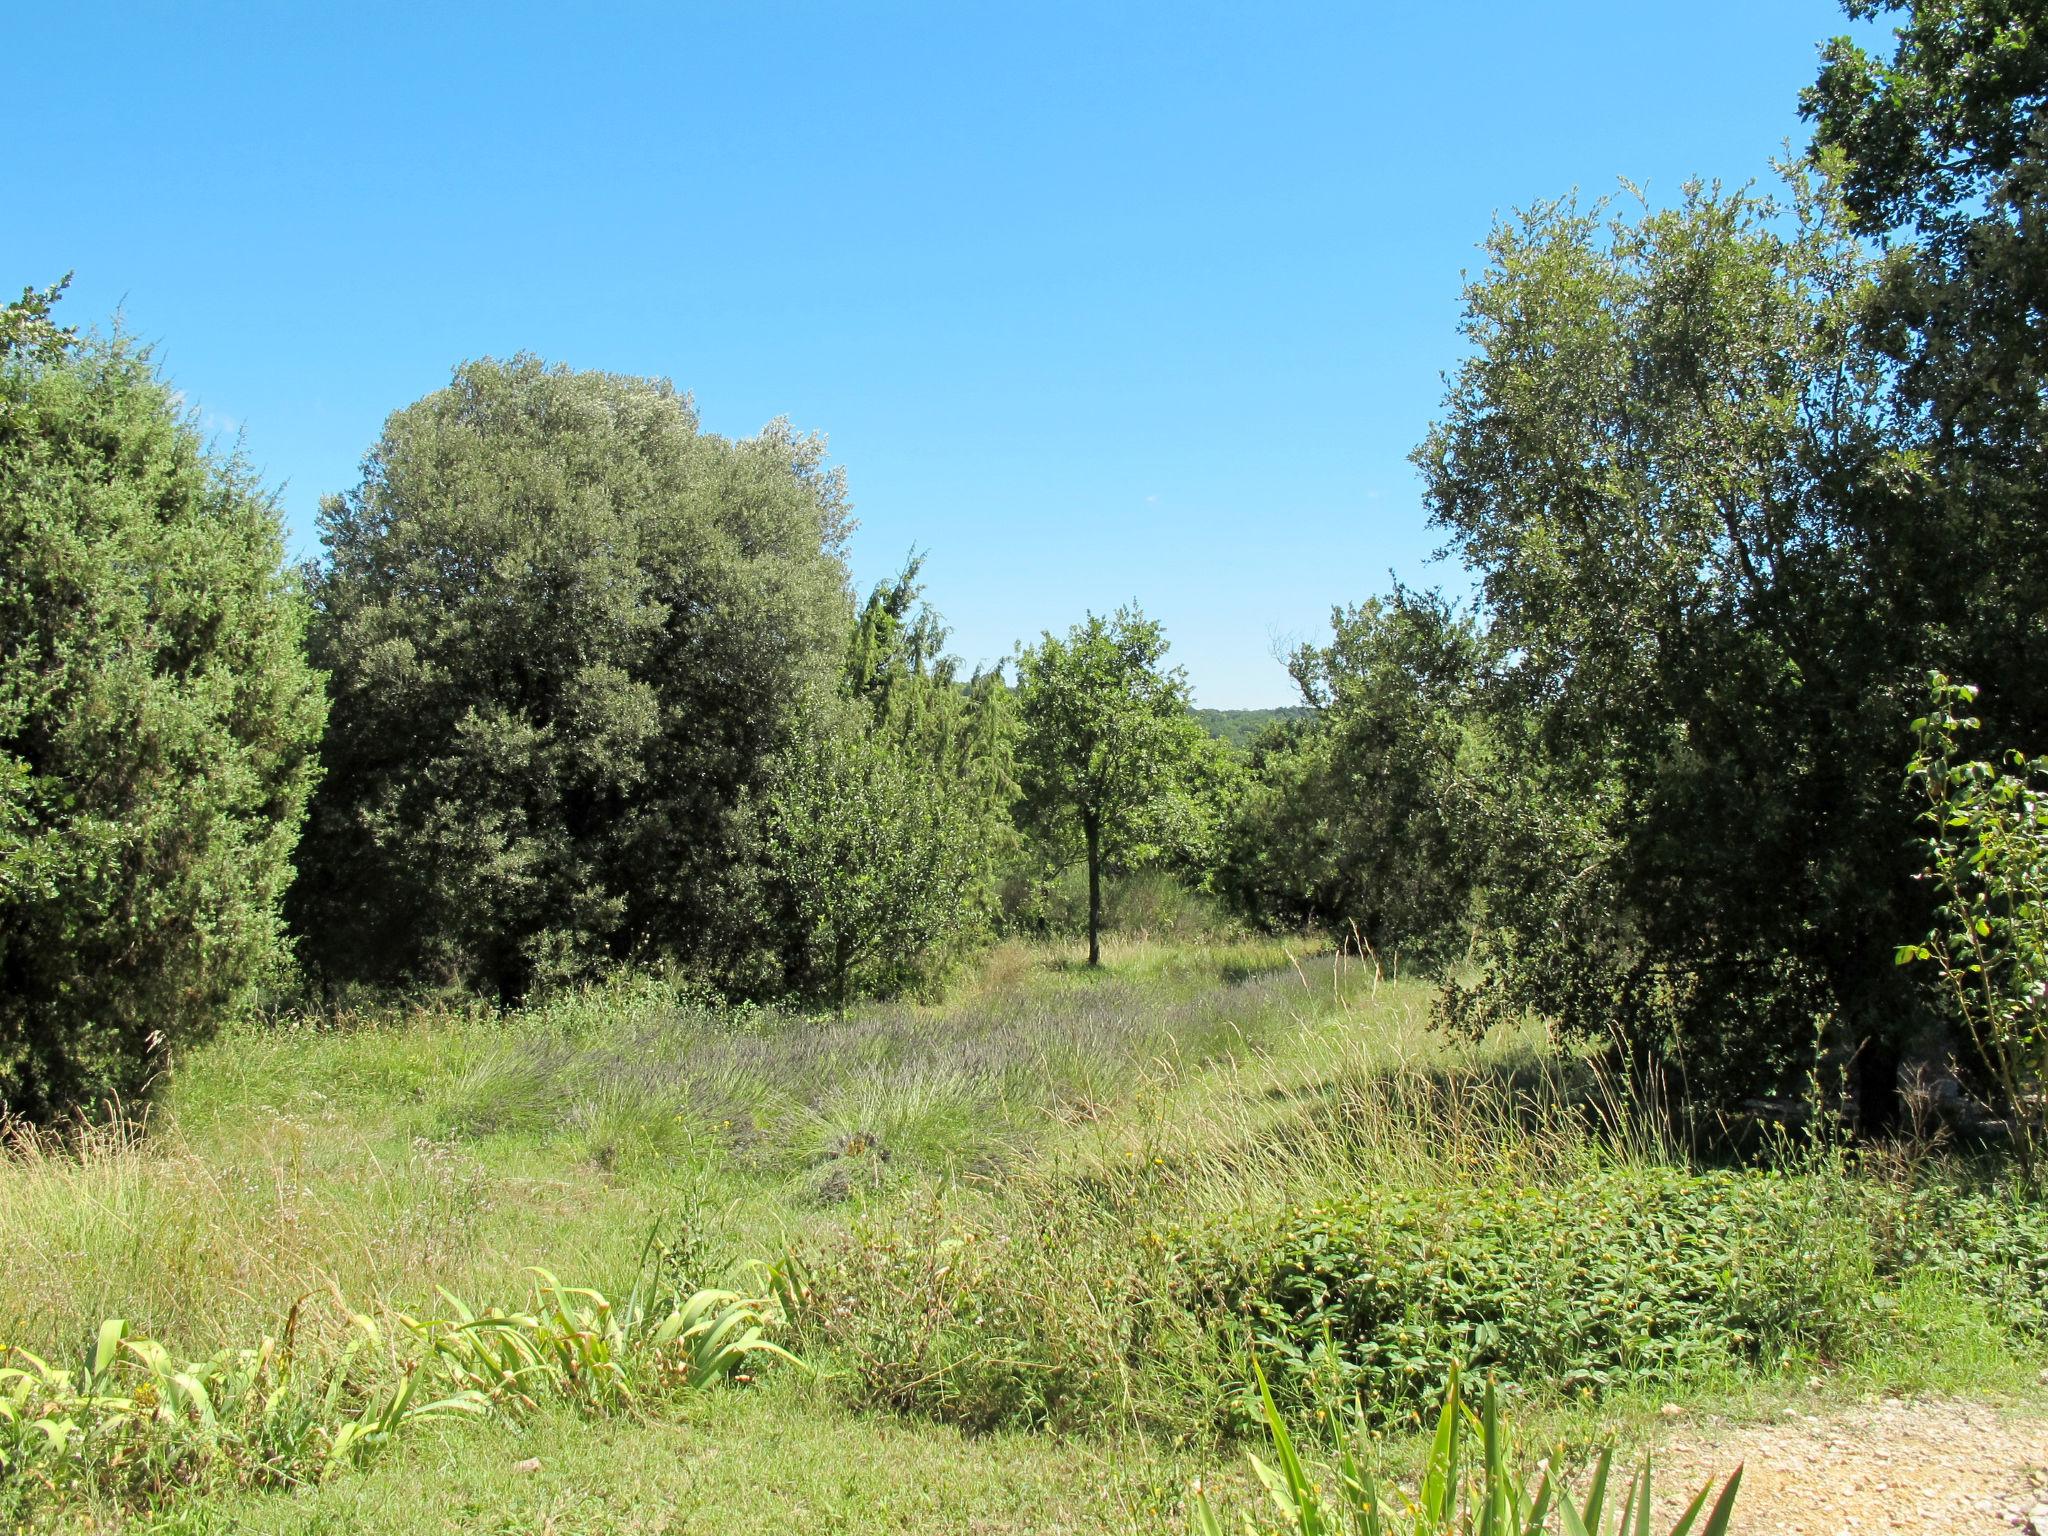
(1094, 302)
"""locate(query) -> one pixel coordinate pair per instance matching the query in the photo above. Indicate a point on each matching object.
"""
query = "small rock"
(531, 1464)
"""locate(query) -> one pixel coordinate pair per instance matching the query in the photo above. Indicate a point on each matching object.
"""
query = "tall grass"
(384, 1156)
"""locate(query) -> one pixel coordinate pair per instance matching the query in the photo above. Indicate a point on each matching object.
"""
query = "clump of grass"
(936, 1311)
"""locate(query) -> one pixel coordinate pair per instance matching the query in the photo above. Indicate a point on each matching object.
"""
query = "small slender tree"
(1987, 855)
(1107, 739)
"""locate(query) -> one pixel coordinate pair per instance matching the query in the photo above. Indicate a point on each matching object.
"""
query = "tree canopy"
(567, 631)
(1941, 154)
(1365, 818)
(1652, 460)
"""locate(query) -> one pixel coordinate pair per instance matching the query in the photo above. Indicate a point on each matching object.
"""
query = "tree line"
(576, 684)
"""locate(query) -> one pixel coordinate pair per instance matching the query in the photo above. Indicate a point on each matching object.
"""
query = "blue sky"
(1095, 302)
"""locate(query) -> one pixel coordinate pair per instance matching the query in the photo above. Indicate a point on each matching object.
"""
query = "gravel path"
(1916, 1465)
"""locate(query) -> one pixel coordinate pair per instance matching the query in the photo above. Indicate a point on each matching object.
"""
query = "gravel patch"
(1901, 1465)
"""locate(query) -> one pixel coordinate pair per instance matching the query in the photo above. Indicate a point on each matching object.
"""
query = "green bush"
(875, 857)
(157, 725)
(1613, 1279)
(1989, 1243)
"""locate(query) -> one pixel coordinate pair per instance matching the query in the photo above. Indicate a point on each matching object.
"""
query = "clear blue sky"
(1095, 302)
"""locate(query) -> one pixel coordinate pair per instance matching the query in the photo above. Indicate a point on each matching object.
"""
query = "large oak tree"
(568, 630)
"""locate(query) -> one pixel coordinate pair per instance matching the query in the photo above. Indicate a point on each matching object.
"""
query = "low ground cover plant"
(1622, 1277)
(1988, 1240)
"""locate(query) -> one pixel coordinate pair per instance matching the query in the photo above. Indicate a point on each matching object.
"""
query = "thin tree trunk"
(1094, 830)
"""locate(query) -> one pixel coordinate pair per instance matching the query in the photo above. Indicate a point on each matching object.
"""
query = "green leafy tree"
(879, 860)
(1365, 814)
(157, 721)
(1109, 748)
(963, 730)
(568, 631)
(1942, 155)
(1653, 459)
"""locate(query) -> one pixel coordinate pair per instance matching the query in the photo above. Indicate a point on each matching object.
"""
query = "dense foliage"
(886, 821)
(877, 859)
(157, 721)
(567, 631)
(1730, 484)
(1652, 460)
(1365, 818)
(1941, 155)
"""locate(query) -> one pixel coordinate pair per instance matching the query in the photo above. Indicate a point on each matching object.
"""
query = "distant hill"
(1239, 726)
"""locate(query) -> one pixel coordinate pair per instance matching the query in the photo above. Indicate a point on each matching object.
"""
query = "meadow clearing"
(1025, 1242)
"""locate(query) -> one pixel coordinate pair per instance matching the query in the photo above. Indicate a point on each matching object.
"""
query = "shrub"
(1612, 1279)
(157, 724)
(1989, 1243)
(875, 856)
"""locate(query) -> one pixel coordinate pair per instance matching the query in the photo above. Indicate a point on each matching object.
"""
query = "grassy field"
(1026, 1235)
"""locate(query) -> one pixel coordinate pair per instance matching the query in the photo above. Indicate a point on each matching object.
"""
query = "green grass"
(782, 1458)
(991, 1201)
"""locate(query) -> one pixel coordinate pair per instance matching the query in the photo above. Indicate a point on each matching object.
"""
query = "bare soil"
(1899, 1465)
